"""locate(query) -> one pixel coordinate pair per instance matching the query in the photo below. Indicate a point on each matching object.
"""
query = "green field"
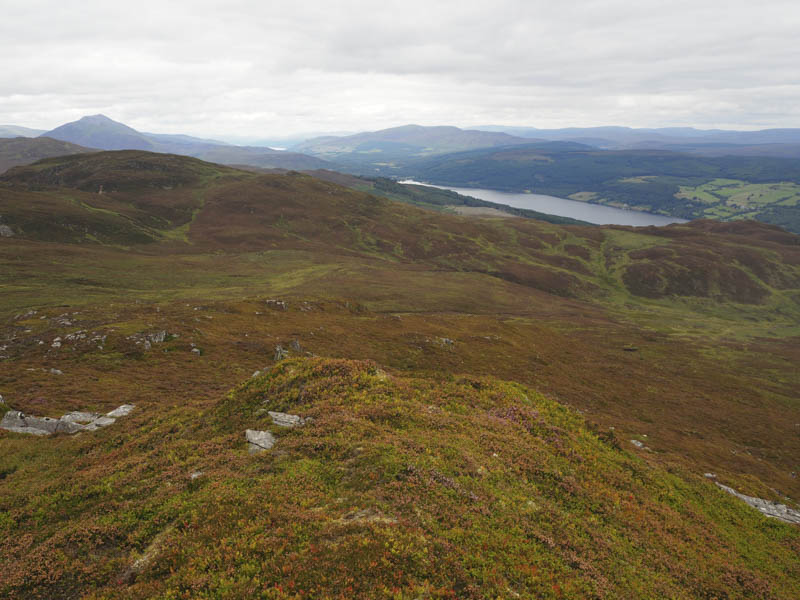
(730, 198)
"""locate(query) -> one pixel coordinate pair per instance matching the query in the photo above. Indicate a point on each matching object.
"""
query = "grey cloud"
(268, 68)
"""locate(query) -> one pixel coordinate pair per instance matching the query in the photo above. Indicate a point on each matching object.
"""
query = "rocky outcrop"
(73, 422)
(768, 508)
(258, 441)
(121, 411)
(286, 420)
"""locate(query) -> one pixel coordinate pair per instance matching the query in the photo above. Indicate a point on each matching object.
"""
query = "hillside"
(513, 495)
(430, 197)
(98, 131)
(674, 184)
(24, 151)
(497, 406)
(401, 143)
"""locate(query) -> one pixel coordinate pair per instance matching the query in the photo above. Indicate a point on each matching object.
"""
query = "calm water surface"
(551, 205)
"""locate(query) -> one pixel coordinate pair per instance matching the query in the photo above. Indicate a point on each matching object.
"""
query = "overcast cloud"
(271, 68)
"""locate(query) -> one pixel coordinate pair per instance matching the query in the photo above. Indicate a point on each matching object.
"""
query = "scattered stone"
(766, 507)
(6, 231)
(444, 342)
(286, 420)
(1, 399)
(122, 411)
(258, 441)
(255, 374)
(710, 475)
(295, 345)
(277, 304)
(637, 443)
(196, 475)
(56, 372)
(196, 350)
(280, 353)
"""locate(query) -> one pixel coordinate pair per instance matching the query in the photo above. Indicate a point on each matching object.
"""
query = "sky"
(268, 69)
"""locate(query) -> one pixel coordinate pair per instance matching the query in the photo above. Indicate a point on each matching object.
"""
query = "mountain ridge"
(102, 132)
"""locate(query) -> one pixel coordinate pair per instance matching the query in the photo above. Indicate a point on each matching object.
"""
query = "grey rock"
(28, 430)
(122, 411)
(56, 372)
(766, 507)
(1, 399)
(79, 417)
(286, 420)
(6, 231)
(258, 441)
(72, 422)
(295, 345)
(47, 424)
(157, 337)
(68, 427)
(13, 418)
(19, 422)
(280, 353)
(637, 443)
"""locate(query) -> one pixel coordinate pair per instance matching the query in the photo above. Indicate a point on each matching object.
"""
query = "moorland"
(473, 388)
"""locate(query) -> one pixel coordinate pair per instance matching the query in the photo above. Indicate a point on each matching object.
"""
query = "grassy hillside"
(474, 385)
(513, 495)
(656, 181)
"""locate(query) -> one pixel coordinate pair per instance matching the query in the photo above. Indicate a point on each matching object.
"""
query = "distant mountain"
(398, 144)
(24, 151)
(10, 131)
(99, 131)
(709, 142)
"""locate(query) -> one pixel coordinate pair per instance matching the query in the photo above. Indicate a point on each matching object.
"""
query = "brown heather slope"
(685, 338)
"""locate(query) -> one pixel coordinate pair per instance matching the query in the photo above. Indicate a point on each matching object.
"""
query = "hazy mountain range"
(713, 142)
(103, 133)
(679, 172)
